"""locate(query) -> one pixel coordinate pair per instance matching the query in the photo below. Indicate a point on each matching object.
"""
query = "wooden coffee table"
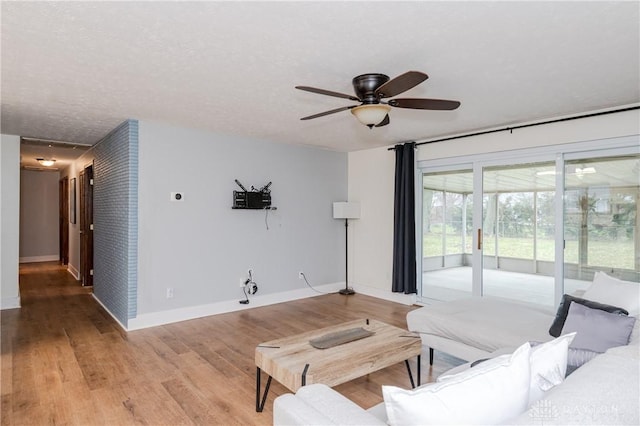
(293, 362)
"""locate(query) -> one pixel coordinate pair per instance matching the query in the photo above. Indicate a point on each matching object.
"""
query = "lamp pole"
(346, 290)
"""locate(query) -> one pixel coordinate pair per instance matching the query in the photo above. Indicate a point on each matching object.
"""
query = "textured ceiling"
(72, 71)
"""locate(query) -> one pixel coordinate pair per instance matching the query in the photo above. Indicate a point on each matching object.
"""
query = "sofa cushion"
(337, 409)
(318, 404)
(548, 365)
(492, 392)
(597, 330)
(484, 323)
(616, 292)
(563, 310)
(290, 410)
(578, 357)
(604, 391)
(463, 367)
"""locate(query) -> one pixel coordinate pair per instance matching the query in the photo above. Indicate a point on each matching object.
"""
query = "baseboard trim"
(405, 299)
(155, 319)
(108, 311)
(192, 312)
(10, 303)
(33, 259)
(73, 271)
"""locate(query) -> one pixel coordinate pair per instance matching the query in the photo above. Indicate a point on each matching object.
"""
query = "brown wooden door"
(86, 226)
(63, 220)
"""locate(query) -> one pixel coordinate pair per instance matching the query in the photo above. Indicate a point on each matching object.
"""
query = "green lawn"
(611, 254)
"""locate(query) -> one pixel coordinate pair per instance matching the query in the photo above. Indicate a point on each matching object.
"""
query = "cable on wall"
(266, 218)
(311, 287)
(251, 285)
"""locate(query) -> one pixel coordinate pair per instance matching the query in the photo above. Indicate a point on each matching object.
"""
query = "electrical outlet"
(169, 292)
(301, 275)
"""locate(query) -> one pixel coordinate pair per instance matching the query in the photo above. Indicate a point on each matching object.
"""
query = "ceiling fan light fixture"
(371, 114)
(371, 88)
(46, 163)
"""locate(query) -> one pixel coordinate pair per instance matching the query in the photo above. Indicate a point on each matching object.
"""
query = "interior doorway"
(63, 219)
(86, 226)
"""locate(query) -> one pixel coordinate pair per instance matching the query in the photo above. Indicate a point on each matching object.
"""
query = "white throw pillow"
(492, 392)
(612, 291)
(548, 365)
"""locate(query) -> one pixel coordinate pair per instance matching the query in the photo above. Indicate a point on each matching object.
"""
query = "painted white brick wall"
(116, 221)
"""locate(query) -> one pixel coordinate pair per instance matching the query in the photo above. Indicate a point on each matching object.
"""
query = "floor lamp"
(346, 210)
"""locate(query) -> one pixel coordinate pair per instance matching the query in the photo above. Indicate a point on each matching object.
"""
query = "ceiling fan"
(370, 89)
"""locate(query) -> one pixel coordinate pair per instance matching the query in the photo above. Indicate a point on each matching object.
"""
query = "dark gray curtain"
(404, 235)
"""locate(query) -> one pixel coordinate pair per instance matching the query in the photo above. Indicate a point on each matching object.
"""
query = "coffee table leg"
(304, 374)
(260, 403)
(406, 362)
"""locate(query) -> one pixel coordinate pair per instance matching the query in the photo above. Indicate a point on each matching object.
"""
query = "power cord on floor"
(311, 287)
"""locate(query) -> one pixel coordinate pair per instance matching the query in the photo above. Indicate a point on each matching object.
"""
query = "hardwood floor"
(65, 361)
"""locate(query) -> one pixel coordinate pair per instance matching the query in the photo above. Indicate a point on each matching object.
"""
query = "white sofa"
(318, 404)
(604, 391)
(474, 328)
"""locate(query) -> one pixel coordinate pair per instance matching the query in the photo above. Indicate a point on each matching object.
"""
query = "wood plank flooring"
(65, 361)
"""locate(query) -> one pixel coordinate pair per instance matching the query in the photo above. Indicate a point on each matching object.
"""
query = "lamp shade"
(346, 210)
(370, 114)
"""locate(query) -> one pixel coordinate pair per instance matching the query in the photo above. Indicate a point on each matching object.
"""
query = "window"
(546, 223)
(601, 218)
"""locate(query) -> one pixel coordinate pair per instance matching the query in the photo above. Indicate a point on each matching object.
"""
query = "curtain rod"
(522, 126)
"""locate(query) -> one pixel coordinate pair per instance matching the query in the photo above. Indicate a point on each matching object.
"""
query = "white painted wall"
(39, 213)
(9, 220)
(201, 247)
(586, 129)
(371, 181)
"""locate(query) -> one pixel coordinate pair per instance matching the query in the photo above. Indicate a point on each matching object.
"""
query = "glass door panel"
(539, 228)
(601, 220)
(447, 214)
(518, 246)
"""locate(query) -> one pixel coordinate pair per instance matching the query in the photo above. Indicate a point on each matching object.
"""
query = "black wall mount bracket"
(255, 199)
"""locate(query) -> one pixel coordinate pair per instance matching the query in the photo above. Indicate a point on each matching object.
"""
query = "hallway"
(65, 361)
(53, 349)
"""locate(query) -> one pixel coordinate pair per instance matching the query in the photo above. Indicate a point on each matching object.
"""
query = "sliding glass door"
(601, 219)
(447, 224)
(518, 246)
(541, 225)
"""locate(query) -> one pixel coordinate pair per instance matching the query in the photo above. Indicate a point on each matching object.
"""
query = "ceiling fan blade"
(327, 92)
(333, 111)
(434, 104)
(401, 83)
(383, 122)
